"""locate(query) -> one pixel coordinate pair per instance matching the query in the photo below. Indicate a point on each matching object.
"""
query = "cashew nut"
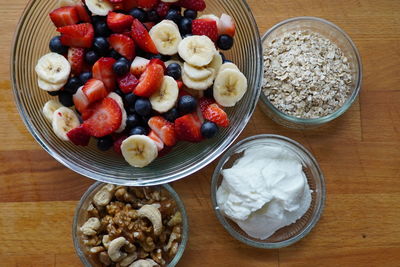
(154, 215)
(144, 263)
(114, 249)
(128, 260)
(98, 249)
(104, 195)
(104, 258)
(106, 241)
(91, 226)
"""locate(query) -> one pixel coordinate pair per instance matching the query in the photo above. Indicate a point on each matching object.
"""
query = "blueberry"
(121, 67)
(209, 129)
(53, 93)
(97, 19)
(187, 104)
(174, 70)
(119, 92)
(130, 100)
(151, 56)
(138, 13)
(190, 14)
(185, 26)
(227, 61)
(91, 57)
(173, 15)
(56, 46)
(225, 42)
(138, 130)
(85, 76)
(133, 120)
(65, 98)
(101, 29)
(152, 15)
(171, 115)
(101, 46)
(165, 58)
(209, 93)
(114, 54)
(143, 107)
(72, 85)
(105, 143)
(177, 8)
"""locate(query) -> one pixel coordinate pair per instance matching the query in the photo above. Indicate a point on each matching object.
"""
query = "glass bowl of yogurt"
(268, 191)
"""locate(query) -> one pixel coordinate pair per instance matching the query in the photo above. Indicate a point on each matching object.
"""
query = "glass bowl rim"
(350, 100)
(223, 220)
(174, 194)
(113, 179)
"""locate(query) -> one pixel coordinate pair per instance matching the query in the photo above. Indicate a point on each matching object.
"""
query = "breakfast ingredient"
(139, 150)
(64, 120)
(53, 68)
(165, 98)
(78, 35)
(49, 108)
(131, 226)
(99, 7)
(120, 103)
(229, 87)
(49, 87)
(197, 50)
(265, 190)
(306, 75)
(166, 37)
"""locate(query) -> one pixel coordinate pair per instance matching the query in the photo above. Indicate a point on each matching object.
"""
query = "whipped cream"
(265, 190)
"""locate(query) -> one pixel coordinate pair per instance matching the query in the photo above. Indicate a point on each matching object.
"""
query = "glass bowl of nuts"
(130, 226)
(312, 72)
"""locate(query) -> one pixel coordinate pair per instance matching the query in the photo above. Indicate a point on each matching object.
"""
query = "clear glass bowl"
(342, 40)
(288, 234)
(31, 40)
(81, 217)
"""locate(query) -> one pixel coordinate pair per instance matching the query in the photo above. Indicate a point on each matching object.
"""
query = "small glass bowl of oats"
(312, 72)
(130, 226)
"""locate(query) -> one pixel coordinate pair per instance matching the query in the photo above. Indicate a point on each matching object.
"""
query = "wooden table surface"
(358, 153)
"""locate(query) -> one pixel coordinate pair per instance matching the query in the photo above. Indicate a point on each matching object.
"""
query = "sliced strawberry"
(63, 16)
(76, 57)
(119, 22)
(127, 33)
(198, 5)
(207, 27)
(79, 136)
(164, 129)
(103, 70)
(187, 128)
(82, 13)
(226, 25)
(157, 140)
(159, 62)
(94, 90)
(118, 142)
(149, 25)
(147, 3)
(183, 92)
(79, 35)
(105, 119)
(116, 1)
(142, 37)
(216, 114)
(180, 84)
(139, 65)
(80, 100)
(129, 4)
(150, 81)
(127, 83)
(204, 102)
(162, 9)
(123, 45)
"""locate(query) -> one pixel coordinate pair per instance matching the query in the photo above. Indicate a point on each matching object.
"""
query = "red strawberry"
(187, 128)
(118, 142)
(142, 37)
(123, 45)
(64, 16)
(198, 5)
(76, 59)
(180, 84)
(162, 9)
(103, 70)
(206, 27)
(105, 119)
(94, 90)
(139, 65)
(204, 102)
(82, 13)
(127, 83)
(79, 35)
(226, 25)
(149, 25)
(119, 22)
(150, 81)
(216, 114)
(157, 140)
(147, 3)
(116, 1)
(159, 62)
(79, 136)
(81, 101)
(129, 4)
(164, 129)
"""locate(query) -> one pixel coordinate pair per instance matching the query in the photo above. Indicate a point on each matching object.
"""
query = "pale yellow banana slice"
(197, 84)
(165, 98)
(197, 73)
(50, 87)
(229, 87)
(49, 108)
(53, 68)
(64, 120)
(197, 50)
(99, 7)
(228, 65)
(216, 63)
(139, 150)
(166, 37)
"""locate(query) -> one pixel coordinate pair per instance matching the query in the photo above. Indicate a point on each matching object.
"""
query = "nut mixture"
(131, 226)
(306, 75)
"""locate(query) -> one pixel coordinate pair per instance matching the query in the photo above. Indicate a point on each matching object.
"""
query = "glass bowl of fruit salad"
(136, 92)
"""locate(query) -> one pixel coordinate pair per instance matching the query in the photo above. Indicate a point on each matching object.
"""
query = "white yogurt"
(265, 190)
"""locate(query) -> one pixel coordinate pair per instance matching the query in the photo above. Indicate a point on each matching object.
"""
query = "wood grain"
(359, 154)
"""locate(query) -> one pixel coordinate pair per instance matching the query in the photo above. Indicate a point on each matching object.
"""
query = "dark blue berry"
(72, 85)
(53, 93)
(56, 46)
(65, 98)
(190, 14)
(174, 70)
(185, 26)
(97, 19)
(121, 67)
(138, 130)
(209, 129)
(101, 46)
(225, 42)
(187, 104)
(138, 13)
(209, 93)
(105, 143)
(130, 100)
(165, 58)
(101, 29)
(151, 56)
(171, 115)
(91, 57)
(85, 76)
(133, 120)
(152, 15)
(119, 92)
(114, 54)
(143, 107)
(173, 15)
(227, 61)
(177, 8)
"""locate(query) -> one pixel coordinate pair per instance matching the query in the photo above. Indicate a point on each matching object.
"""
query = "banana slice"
(99, 7)
(228, 65)
(166, 37)
(53, 68)
(197, 84)
(216, 62)
(49, 108)
(120, 103)
(64, 120)
(229, 87)
(197, 73)
(49, 86)
(197, 50)
(139, 150)
(165, 98)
